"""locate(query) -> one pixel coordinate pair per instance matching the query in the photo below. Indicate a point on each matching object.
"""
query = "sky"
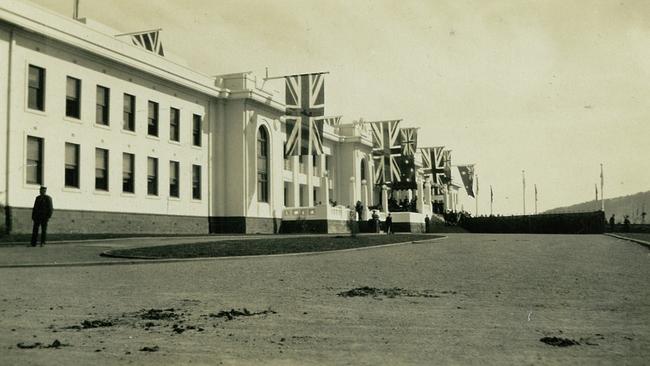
(554, 88)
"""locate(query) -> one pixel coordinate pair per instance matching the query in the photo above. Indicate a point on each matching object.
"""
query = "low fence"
(569, 223)
(631, 228)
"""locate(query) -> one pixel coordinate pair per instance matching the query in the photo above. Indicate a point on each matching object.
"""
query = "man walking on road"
(41, 213)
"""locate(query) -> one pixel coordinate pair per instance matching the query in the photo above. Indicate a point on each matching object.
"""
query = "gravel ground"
(639, 236)
(468, 299)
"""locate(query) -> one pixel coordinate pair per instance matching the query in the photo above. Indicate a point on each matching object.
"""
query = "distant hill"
(632, 205)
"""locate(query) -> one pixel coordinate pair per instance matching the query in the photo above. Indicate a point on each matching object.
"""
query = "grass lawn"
(639, 236)
(233, 248)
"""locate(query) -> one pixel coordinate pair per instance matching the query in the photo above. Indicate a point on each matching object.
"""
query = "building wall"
(60, 61)
(4, 143)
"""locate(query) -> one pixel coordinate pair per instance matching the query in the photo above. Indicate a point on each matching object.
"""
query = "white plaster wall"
(60, 61)
(4, 65)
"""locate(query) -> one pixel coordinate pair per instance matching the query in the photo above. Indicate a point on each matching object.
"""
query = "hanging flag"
(386, 150)
(331, 121)
(408, 141)
(433, 163)
(149, 40)
(491, 195)
(446, 156)
(467, 176)
(305, 102)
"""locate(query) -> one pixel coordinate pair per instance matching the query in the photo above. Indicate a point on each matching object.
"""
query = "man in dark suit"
(389, 224)
(41, 213)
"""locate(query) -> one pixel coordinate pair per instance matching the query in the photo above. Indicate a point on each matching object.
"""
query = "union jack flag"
(332, 121)
(433, 163)
(305, 102)
(446, 157)
(409, 141)
(385, 150)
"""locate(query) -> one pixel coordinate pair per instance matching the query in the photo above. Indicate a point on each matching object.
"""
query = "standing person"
(427, 224)
(612, 223)
(626, 224)
(41, 213)
(389, 224)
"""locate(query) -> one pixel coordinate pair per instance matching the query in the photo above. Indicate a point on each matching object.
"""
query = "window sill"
(152, 197)
(194, 200)
(172, 198)
(200, 148)
(128, 132)
(71, 189)
(101, 192)
(175, 142)
(73, 120)
(36, 112)
(128, 194)
(102, 126)
(152, 137)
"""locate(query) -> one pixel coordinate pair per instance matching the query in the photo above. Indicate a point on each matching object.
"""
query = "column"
(310, 180)
(352, 195)
(384, 198)
(325, 189)
(364, 199)
(420, 199)
(294, 187)
(427, 196)
(371, 187)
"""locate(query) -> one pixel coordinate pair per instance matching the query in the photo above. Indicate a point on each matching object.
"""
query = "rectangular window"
(152, 176)
(73, 98)
(128, 115)
(174, 124)
(152, 119)
(102, 106)
(196, 130)
(101, 169)
(71, 165)
(34, 164)
(173, 179)
(128, 173)
(196, 182)
(36, 88)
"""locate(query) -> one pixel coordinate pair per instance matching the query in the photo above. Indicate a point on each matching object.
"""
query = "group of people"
(626, 223)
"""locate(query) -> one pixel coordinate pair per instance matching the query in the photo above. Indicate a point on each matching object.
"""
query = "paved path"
(491, 299)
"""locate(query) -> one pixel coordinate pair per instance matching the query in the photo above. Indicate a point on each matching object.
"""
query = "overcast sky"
(552, 87)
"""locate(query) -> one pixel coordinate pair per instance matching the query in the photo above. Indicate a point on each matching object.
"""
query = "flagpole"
(535, 199)
(523, 182)
(602, 192)
(75, 11)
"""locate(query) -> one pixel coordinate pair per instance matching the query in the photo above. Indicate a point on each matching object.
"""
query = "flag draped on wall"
(433, 163)
(467, 175)
(386, 150)
(305, 101)
(408, 141)
(149, 40)
(446, 157)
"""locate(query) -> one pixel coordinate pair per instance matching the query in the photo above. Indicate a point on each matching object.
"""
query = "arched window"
(262, 165)
(363, 169)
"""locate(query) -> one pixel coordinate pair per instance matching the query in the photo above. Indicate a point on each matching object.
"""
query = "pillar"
(384, 199)
(364, 199)
(325, 189)
(294, 186)
(427, 195)
(310, 180)
(352, 195)
(420, 199)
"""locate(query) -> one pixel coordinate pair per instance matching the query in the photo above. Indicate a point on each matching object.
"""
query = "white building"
(129, 140)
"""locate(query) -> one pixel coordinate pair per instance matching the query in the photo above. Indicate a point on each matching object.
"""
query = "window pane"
(72, 103)
(36, 88)
(196, 182)
(152, 124)
(34, 163)
(129, 113)
(101, 169)
(127, 172)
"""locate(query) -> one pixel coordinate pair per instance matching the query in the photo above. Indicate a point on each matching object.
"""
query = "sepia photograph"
(324, 182)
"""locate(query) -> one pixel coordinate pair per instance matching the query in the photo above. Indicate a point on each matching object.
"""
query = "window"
(152, 120)
(101, 169)
(262, 165)
(128, 114)
(71, 165)
(173, 179)
(34, 164)
(128, 170)
(174, 121)
(152, 176)
(73, 98)
(196, 130)
(36, 88)
(328, 163)
(196, 182)
(102, 106)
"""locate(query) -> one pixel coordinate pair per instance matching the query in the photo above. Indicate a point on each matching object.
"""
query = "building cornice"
(67, 30)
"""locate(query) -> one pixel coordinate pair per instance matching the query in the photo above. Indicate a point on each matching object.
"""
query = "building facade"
(128, 140)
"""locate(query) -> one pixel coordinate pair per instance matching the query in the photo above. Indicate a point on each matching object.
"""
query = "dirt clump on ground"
(88, 324)
(158, 314)
(559, 341)
(232, 313)
(366, 291)
(30, 345)
(149, 349)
